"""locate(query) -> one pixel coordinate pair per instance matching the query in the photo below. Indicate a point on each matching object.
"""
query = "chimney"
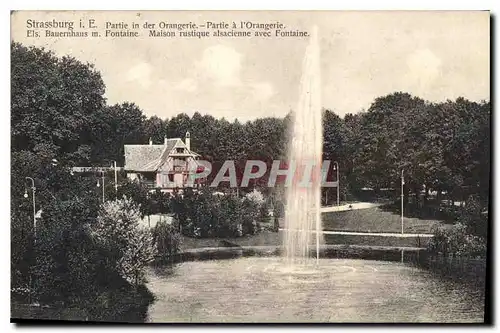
(150, 141)
(165, 139)
(188, 140)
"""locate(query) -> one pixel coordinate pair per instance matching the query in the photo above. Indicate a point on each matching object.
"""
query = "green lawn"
(360, 220)
(390, 241)
(269, 238)
(375, 220)
(265, 238)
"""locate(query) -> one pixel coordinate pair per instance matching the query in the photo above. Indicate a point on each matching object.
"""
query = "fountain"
(302, 215)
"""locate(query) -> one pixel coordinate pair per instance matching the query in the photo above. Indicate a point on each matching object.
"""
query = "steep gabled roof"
(181, 144)
(142, 157)
(148, 158)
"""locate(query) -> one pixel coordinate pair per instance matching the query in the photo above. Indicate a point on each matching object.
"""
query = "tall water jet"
(302, 214)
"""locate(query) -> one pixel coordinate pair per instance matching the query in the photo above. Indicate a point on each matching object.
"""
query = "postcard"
(250, 166)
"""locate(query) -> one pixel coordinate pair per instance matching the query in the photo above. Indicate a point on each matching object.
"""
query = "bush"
(66, 260)
(129, 246)
(457, 241)
(137, 193)
(228, 217)
(250, 212)
(75, 261)
(473, 218)
(256, 197)
(21, 251)
(159, 202)
(468, 236)
(203, 214)
(167, 240)
(279, 209)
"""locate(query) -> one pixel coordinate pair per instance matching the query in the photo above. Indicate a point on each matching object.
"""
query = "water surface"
(265, 289)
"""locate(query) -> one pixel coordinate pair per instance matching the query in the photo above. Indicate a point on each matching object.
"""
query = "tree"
(65, 261)
(137, 193)
(335, 150)
(114, 127)
(154, 128)
(54, 102)
(352, 138)
(203, 136)
(386, 139)
(468, 151)
(266, 141)
(129, 246)
(178, 126)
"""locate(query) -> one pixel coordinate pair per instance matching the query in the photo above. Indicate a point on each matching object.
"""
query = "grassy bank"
(376, 220)
(361, 220)
(269, 238)
(376, 240)
(265, 238)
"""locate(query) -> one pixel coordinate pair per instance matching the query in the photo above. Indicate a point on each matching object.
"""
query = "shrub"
(76, 260)
(159, 202)
(456, 241)
(130, 247)
(66, 260)
(138, 194)
(166, 239)
(472, 217)
(250, 212)
(139, 252)
(468, 236)
(256, 197)
(279, 209)
(202, 214)
(229, 217)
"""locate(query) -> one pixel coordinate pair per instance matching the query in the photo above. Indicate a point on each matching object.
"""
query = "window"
(179, 161)
(151, 176)
(180, 150)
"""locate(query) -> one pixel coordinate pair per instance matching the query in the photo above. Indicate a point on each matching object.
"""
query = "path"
(352, 206)
(383, 234)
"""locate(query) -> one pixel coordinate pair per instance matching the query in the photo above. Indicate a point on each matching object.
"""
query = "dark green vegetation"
(200, 214)
(467, 237)
(58, 111)
(204, 215)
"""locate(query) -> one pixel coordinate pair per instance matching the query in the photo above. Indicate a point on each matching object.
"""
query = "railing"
(152, 185)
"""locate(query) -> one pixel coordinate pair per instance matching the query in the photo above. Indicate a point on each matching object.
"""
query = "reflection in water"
(338, 290)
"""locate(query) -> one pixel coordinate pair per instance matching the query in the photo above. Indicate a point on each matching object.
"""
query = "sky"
(364, 55)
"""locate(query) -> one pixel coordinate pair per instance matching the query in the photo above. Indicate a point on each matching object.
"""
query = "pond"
(341, 290)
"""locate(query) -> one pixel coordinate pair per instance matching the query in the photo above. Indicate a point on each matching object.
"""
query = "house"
(163, 167)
